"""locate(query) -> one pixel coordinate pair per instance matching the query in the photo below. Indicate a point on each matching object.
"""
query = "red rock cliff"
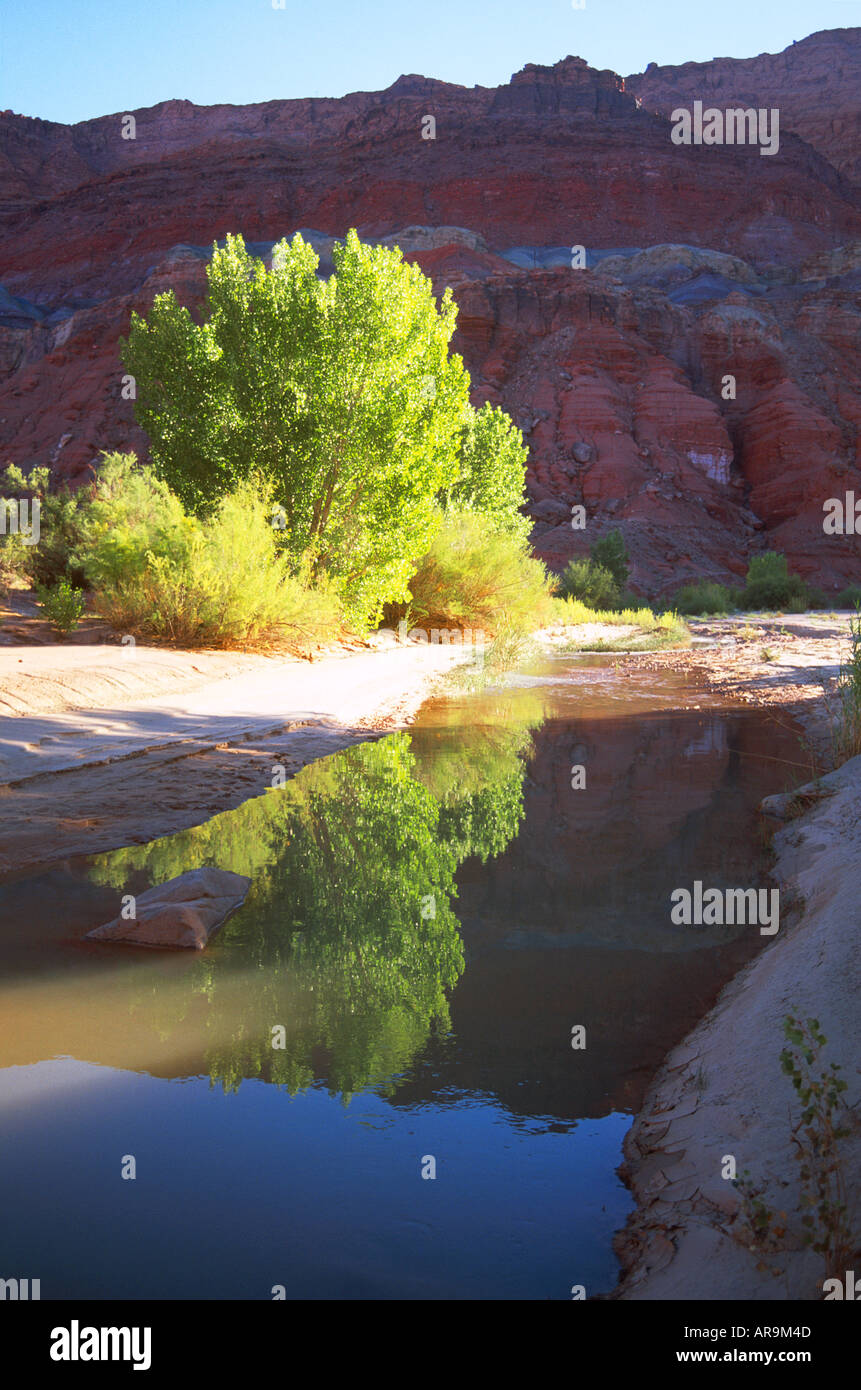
(727, 263)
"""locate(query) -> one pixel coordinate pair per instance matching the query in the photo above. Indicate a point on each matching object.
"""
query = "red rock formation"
(815, 84)
(620, 395)
(615, 373)
(559, 156)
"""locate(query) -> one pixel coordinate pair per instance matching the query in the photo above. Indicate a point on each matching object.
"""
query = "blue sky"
(69, 60)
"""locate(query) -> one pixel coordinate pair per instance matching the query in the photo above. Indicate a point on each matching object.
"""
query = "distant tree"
(592, 584)
(770, 584)
(611, 554)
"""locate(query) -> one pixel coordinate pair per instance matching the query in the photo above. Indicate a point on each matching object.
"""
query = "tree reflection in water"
(348, 942)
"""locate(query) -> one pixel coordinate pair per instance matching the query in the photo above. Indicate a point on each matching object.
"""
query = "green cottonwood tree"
(341, 394)
(492, 469)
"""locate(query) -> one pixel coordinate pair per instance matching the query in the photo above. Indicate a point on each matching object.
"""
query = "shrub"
(477, 577)
(62, 604)
(589, 582)
(703, 597)
(216, 582)
(129, 514)
(823, 1123)
(52, 558)
(769, 584)
(847, 726)
(610, 553)
(14, 562)
(849, 597)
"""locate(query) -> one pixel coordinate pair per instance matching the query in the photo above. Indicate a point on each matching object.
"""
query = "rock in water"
(181, 914)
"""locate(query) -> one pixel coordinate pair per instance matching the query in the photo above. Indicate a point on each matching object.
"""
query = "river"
(405, 1068)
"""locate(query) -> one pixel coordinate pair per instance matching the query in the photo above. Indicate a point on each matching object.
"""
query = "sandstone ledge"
(721, 1091)
(192, 743)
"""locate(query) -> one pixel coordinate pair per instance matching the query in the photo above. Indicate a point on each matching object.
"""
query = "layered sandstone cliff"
(814, 84)
(703, 264)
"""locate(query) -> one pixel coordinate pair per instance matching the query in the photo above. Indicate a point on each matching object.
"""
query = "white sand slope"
(70, 707)
(722, 1090)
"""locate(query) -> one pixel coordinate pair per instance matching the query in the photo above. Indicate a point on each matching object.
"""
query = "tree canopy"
(341, 394)
(492, 469)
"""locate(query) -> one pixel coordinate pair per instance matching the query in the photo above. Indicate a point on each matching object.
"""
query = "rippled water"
(430, 916)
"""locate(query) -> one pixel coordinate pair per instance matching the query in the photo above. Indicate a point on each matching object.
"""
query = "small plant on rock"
(821, 1126)
(763, 1227)
(847, 724)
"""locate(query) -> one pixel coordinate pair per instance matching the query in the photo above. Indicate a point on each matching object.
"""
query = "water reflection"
(348, 944)
(549, 908)
(374, 870)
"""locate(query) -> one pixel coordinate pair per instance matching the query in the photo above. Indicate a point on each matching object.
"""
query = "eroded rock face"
(704, 266)
(181, 914)
(814, 84)
(621, 394)
(561, 155)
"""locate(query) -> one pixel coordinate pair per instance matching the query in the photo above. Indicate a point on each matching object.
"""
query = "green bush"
(611, 554)
(770, 585)
(849, 597)
(477, 577)
(52, 558)
(703, 597)
(62, 604)
(589, 582)
(128, 515)
(14, 562)
(212, 582)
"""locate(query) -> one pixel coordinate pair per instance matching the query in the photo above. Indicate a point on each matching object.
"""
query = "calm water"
(430, 916)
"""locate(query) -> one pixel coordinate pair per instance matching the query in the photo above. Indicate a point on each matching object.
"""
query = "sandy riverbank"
(100, 750)
(789, 661)
(722, 1091)
(102, 747)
